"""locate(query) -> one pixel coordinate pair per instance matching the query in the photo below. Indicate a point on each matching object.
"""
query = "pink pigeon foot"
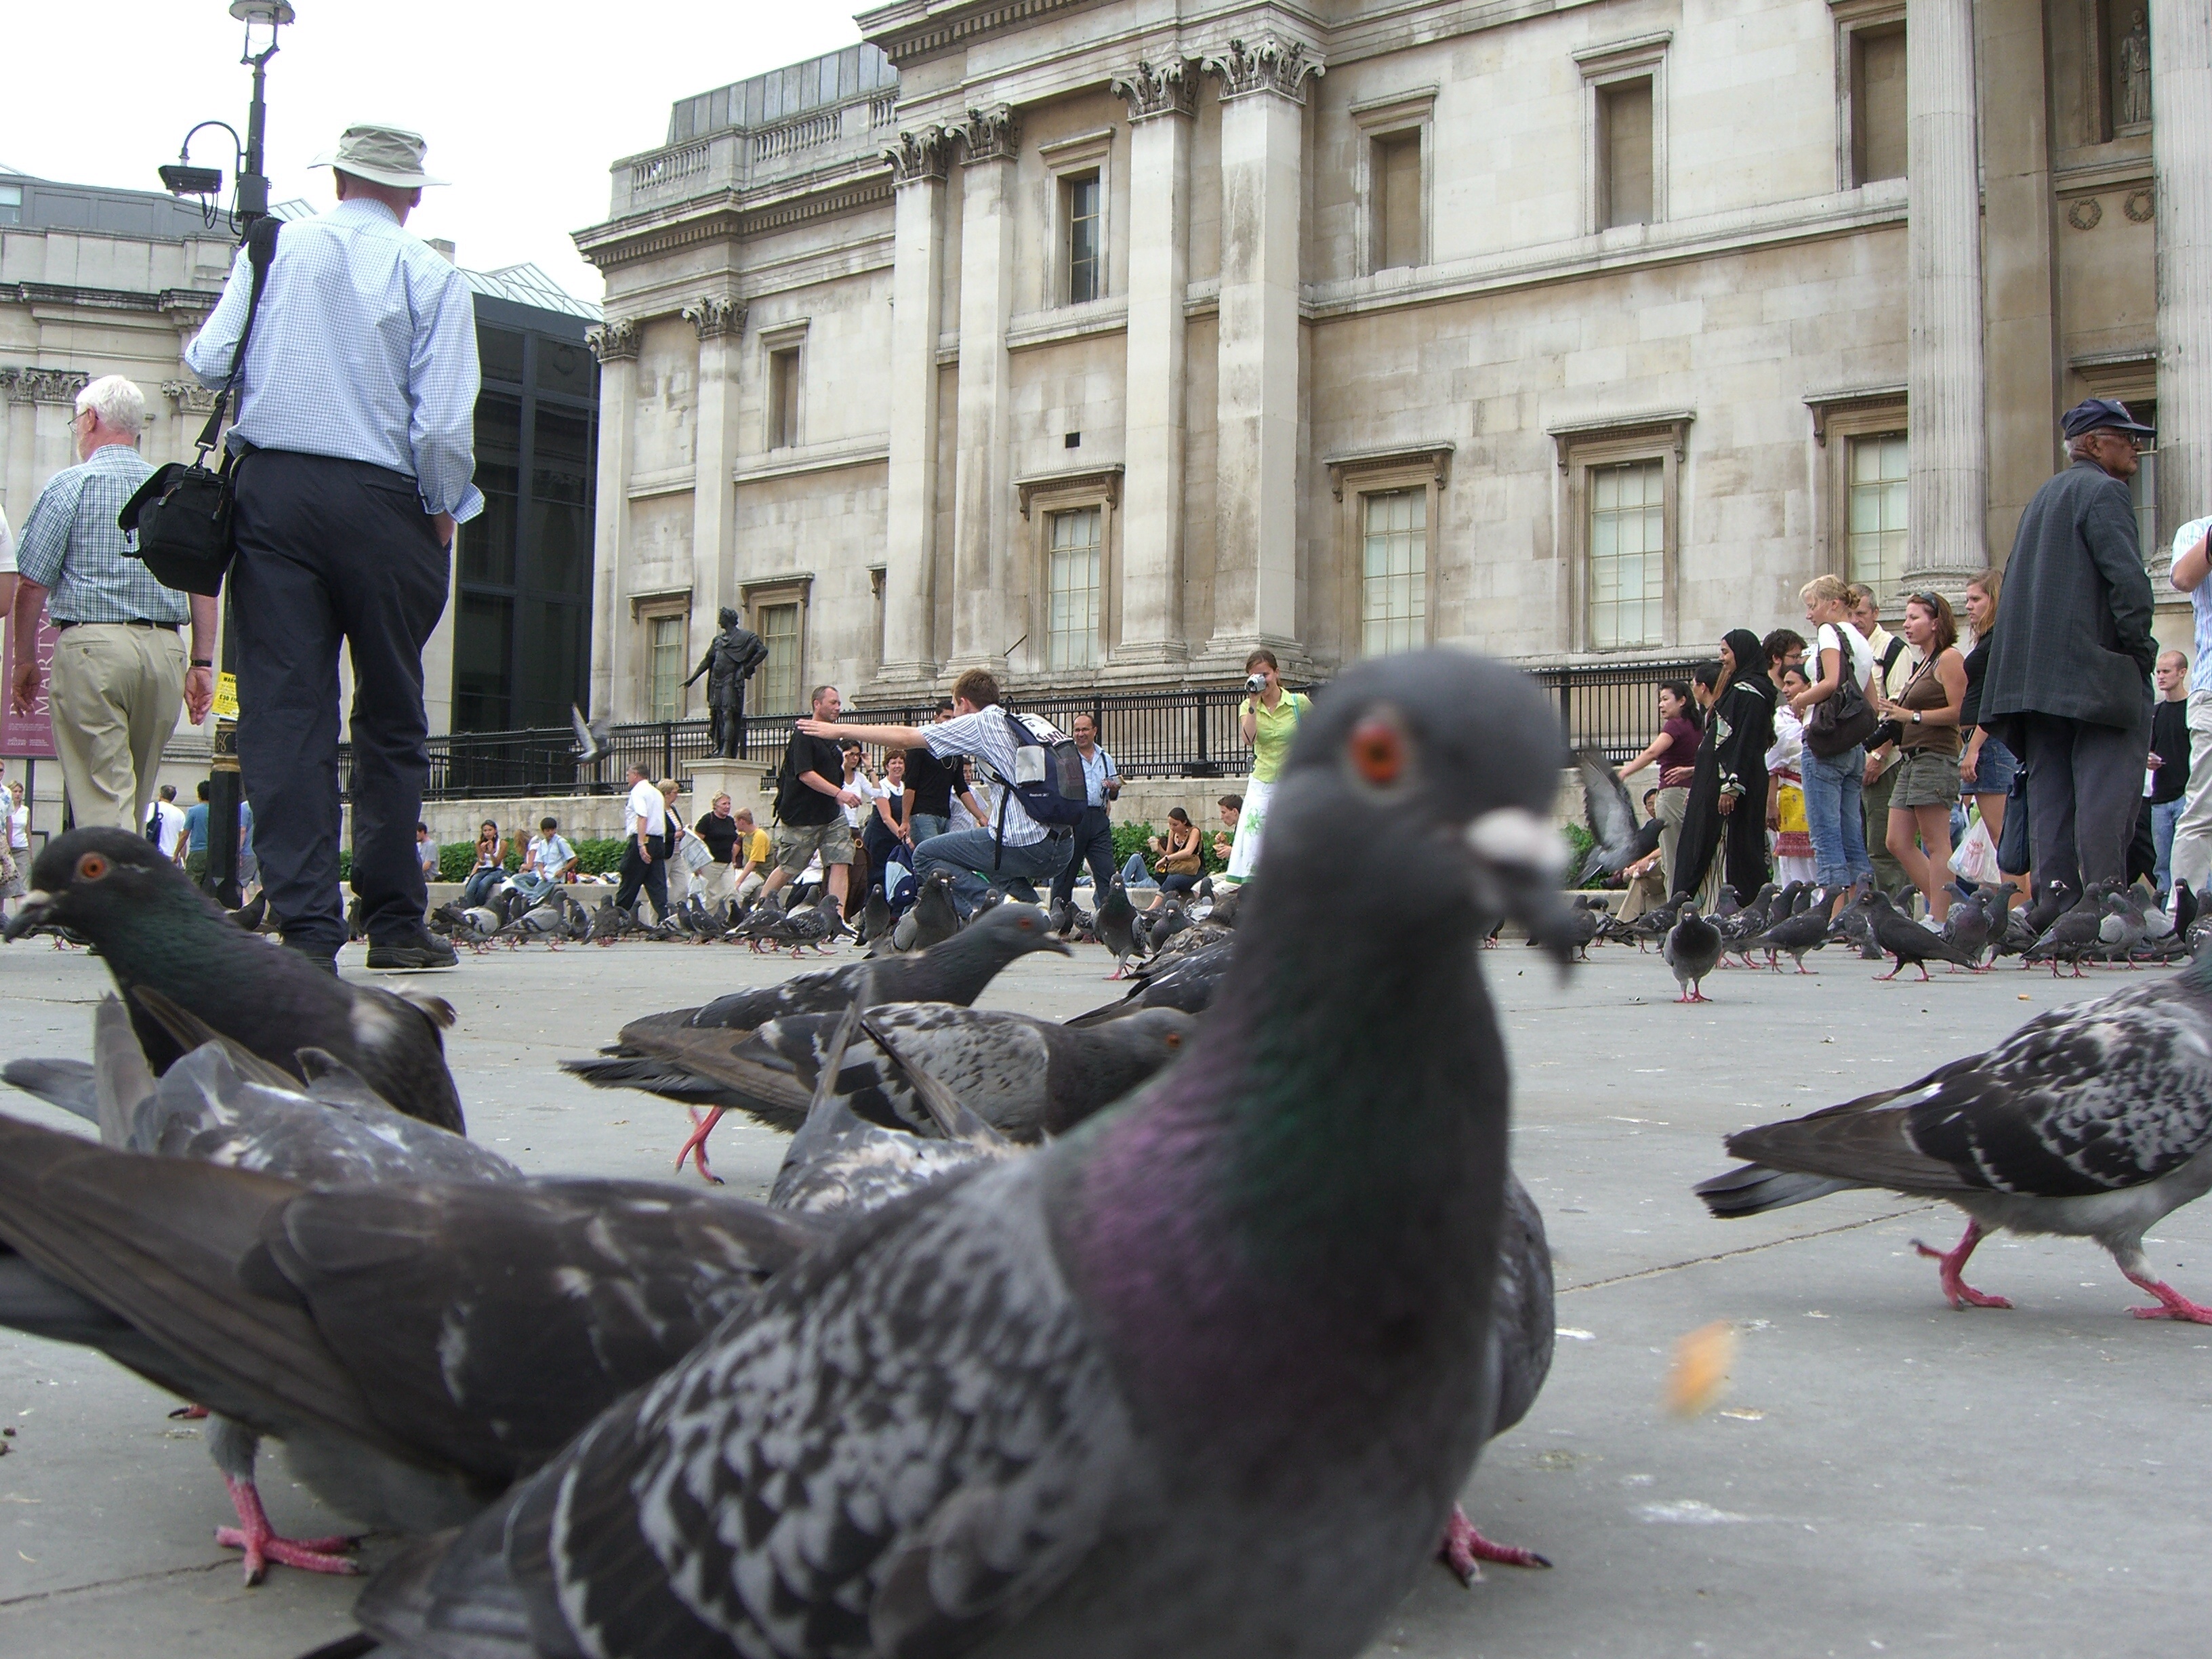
(254, 1536)
(1960, 1293)
(2171, 1303)
(696, 1148)
(1464, 1550)
(188, 1413)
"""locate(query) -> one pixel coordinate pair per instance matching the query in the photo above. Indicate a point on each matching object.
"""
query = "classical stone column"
(615, 345)
(1162, 101)
(720, 321)
(982, 484)
(917, 305)
(1262, 120)
(2181, 157)
(1948, 511)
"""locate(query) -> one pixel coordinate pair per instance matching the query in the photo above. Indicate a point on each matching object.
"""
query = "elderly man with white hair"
(120, 669)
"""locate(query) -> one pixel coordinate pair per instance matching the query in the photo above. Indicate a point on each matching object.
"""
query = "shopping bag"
(1976, 856)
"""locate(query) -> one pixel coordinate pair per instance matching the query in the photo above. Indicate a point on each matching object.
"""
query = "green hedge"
(457, 858)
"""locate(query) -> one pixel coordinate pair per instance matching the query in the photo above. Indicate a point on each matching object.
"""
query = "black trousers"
(2084, 790)
(1094, 841)
(637, 873)
(330, 551)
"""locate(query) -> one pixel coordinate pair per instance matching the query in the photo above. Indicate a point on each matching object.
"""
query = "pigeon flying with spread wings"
(2093, 1122)
(1202, 1378)
(1618, 840)
(152, 926)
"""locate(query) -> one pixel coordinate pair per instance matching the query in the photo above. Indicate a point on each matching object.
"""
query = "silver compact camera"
(1255, 683)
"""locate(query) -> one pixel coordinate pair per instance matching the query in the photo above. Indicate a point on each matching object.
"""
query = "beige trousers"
(115, 696)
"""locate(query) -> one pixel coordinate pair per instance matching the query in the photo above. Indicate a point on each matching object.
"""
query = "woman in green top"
(1270, 721)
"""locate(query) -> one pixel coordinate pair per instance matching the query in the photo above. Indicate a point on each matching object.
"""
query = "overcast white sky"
(525, 102)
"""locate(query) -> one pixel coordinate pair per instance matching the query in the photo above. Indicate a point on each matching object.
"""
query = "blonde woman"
(1832, 783)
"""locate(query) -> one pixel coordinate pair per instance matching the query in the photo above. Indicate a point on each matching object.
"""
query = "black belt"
(129, 621)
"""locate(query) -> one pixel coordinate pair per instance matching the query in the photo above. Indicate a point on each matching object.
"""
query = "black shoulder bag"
(182, 514)
(1846, 718)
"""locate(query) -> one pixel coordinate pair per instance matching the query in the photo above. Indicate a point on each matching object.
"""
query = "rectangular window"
(1877, 104)
(1627, 554)
(1875, 521)
(783, 398)
(499, 354)
(11, 204)
(1072, 590)
(1623, 110)
(1084, 254)
(2143, 488)
(778, 627)
(1394, 580)
(665, 667)
(1396, 181)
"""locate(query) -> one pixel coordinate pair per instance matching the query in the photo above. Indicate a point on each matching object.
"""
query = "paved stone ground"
(1885, 1476)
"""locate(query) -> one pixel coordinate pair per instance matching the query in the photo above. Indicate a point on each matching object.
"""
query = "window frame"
(1053, 516)
(1066, 160)
(1583, 449)
(1356, 476)
(1852, 18)
(1851, 445)
(1381, 121)
(776, 344)
(645, 612)
(755, 598)
(1040, 498)
(1605, 67)
(1838, 418)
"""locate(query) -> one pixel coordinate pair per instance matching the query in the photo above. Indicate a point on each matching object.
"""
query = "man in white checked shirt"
(355, 426)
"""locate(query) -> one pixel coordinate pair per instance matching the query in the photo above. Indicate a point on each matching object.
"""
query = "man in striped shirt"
(120, 669)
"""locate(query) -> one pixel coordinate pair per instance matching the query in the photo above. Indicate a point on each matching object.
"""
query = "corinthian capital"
(1265, 65)
(613, 341)
(189, 397)
(715, 315)
(1167, 88)
(990, 135)
(918, 155)
(46, 385)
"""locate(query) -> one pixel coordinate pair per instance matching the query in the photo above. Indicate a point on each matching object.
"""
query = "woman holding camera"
(1927, 715)
(1269, 721)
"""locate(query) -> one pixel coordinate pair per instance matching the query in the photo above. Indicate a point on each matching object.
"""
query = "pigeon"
(1692, 949)
(1582, 929)
(591, 735)
(2091, 1120)
(1971, 926)
(2121, 928)
(1907, 940)
(2074, 930)
(153, 927)
(1617, 840)
(875, 917)
(1026, 1077)
(1793, 936)
(1187, 984)
(931, 919)
(1202, 1378)
(251, 915)
(955, 971)
(1117, 925)
(1228, 904)
(2184, 906)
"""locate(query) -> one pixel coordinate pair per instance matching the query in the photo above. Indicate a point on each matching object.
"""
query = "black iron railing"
(1190, 733)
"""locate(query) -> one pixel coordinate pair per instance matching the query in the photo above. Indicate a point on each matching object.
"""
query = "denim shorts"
(1994, 770)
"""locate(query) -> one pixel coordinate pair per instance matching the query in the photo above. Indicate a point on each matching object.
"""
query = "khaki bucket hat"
(383, 156)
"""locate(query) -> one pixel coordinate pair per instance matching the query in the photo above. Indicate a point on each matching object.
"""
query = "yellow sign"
(225, 696)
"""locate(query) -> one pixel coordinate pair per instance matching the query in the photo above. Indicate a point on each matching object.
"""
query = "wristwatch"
(203, 662)
(1916, 717)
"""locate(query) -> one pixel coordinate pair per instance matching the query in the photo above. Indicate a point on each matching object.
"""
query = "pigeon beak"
(1053, 942)
(1518, 859)
(35, 906)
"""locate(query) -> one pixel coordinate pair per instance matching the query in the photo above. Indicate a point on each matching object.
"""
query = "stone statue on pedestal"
(2135, 74)
(731, 661)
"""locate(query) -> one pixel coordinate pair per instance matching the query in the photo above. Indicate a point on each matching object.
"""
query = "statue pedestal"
(742, 780)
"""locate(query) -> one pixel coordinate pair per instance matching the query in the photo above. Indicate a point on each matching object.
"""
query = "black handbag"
(181, 516)
(1846, 720)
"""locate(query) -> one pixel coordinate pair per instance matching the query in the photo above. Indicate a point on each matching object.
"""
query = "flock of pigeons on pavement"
(1177, 1328)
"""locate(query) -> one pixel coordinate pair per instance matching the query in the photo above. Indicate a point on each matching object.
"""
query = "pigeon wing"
(1611, 814)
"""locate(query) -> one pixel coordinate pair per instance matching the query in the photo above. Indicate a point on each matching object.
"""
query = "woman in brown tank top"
(1927, 787)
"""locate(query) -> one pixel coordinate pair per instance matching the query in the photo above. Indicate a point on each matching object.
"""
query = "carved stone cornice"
(990, 135)
(919, 156)
(189, 397)
(714, 315)
(613, 341)
(1167, 89)
(1267, 65)
(43, 386)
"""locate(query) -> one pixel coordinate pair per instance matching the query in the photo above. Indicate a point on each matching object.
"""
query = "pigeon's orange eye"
(1175, 1039)
(91, 867)
(1379, 750)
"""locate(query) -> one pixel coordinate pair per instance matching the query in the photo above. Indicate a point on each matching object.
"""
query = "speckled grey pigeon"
(2091, 1120)
(152, 926)
(1202, 1378)
(1117, 925)
(1187, 984)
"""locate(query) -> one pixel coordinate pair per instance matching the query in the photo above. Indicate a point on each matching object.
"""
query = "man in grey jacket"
(2070, 662)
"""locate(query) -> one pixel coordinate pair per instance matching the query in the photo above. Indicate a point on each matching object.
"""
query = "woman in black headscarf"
(1727, 811)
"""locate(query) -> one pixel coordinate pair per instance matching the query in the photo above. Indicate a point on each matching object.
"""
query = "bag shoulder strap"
(260, 252)
(1889, 657)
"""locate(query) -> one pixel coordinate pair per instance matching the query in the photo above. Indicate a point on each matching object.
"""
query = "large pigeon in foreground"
(1201, 1378)
(2092, 1121)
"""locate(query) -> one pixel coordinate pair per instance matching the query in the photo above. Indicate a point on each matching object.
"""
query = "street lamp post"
(250, 203)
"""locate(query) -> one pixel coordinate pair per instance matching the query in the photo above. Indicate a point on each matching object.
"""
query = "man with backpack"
(1040, 800)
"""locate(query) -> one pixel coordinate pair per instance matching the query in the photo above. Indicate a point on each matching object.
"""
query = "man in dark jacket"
(2070, 661)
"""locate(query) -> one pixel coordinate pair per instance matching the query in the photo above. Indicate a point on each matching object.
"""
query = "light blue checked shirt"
(71, 547)
(365, 349)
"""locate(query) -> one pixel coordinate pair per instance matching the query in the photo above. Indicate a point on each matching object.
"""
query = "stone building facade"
(1099, 341)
